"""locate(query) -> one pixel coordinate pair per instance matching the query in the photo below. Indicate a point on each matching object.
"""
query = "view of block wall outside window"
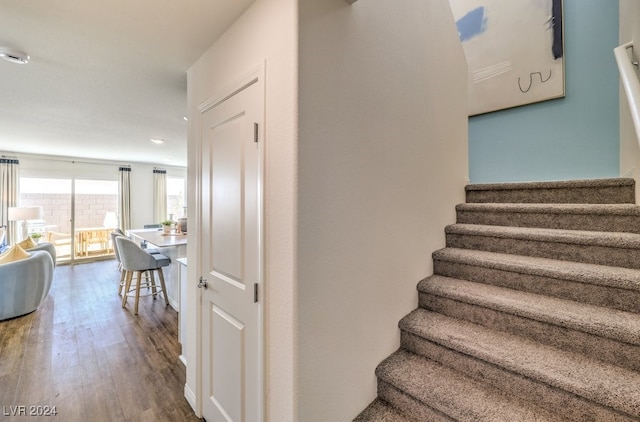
(56, 209)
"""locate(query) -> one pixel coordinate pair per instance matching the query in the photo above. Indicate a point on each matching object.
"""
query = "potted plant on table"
(36, 237)
(166, 225)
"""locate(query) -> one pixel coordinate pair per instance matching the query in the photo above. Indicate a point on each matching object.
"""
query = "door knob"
(202, 284)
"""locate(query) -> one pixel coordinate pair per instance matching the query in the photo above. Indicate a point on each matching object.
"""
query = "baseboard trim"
(173, 303)
(191, 398)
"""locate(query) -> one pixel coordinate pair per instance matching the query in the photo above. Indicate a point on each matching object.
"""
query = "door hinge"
(255, 132)
(255, 292)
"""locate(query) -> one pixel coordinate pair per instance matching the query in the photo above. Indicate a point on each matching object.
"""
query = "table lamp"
(24, 214)
(110, 220)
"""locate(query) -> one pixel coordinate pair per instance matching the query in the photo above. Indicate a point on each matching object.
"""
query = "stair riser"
(608, 195)
(379, 410)
(558, 401)
(410, 406)
(611, 297)
(596, 222)
(610, 351)
(592, 254)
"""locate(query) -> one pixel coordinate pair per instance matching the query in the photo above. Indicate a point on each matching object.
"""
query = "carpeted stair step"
(606, 334)
(600, 191)
(420, 386)
(567, 384)
(592, 217)
(380, 411)
(603, 248)
(532, 314)
(599, 285)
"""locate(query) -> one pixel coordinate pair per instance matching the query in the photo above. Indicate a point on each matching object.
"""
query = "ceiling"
(104, 76)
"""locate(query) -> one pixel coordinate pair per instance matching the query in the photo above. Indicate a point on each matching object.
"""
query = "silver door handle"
(202, 284)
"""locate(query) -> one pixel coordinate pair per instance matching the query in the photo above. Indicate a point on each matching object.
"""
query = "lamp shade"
(25, 213)
(110, 220)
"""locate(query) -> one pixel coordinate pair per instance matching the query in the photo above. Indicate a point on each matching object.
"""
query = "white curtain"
(159, 195)
(124, 199)
(9, 196)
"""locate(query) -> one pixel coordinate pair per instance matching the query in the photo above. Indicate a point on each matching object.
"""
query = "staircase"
(532, 314)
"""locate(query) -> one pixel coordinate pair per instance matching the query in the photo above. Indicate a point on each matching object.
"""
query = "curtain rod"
(65, 159)
(80, 160)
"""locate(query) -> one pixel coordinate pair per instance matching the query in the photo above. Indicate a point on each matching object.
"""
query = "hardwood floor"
(90, 358)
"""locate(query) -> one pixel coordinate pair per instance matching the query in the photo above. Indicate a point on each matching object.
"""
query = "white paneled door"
(231, 255)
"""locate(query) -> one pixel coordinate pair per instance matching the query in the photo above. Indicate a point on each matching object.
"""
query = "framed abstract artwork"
(514, 51)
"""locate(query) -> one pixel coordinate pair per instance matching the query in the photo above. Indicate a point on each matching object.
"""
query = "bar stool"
(135, 260)
(116, 251)
(116, 233)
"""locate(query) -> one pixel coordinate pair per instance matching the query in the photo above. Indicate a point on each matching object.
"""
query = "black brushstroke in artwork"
(556, 24)
(531, 75)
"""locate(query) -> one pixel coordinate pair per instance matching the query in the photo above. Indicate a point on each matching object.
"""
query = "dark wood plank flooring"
(90, 358)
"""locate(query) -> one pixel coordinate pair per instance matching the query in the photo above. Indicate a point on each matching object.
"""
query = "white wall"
(141, 177)
(629, 149)
(355, 207)
(265, 35)
(382, 163)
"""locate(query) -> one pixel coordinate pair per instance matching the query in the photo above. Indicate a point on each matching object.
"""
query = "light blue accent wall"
(576, 137)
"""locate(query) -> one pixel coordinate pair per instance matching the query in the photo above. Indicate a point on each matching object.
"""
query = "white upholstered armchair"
(25, 283)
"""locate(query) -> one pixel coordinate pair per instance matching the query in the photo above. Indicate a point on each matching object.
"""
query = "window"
(176, 197)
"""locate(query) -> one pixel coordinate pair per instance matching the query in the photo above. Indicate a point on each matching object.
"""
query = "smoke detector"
(14, 56)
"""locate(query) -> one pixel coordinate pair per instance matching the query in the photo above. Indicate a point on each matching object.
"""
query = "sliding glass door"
(54, 196)
(95, 206)
(78, 215)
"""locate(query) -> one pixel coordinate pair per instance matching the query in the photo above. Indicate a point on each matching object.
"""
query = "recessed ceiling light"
(14, 56)
(186, 119)
(157, 141)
